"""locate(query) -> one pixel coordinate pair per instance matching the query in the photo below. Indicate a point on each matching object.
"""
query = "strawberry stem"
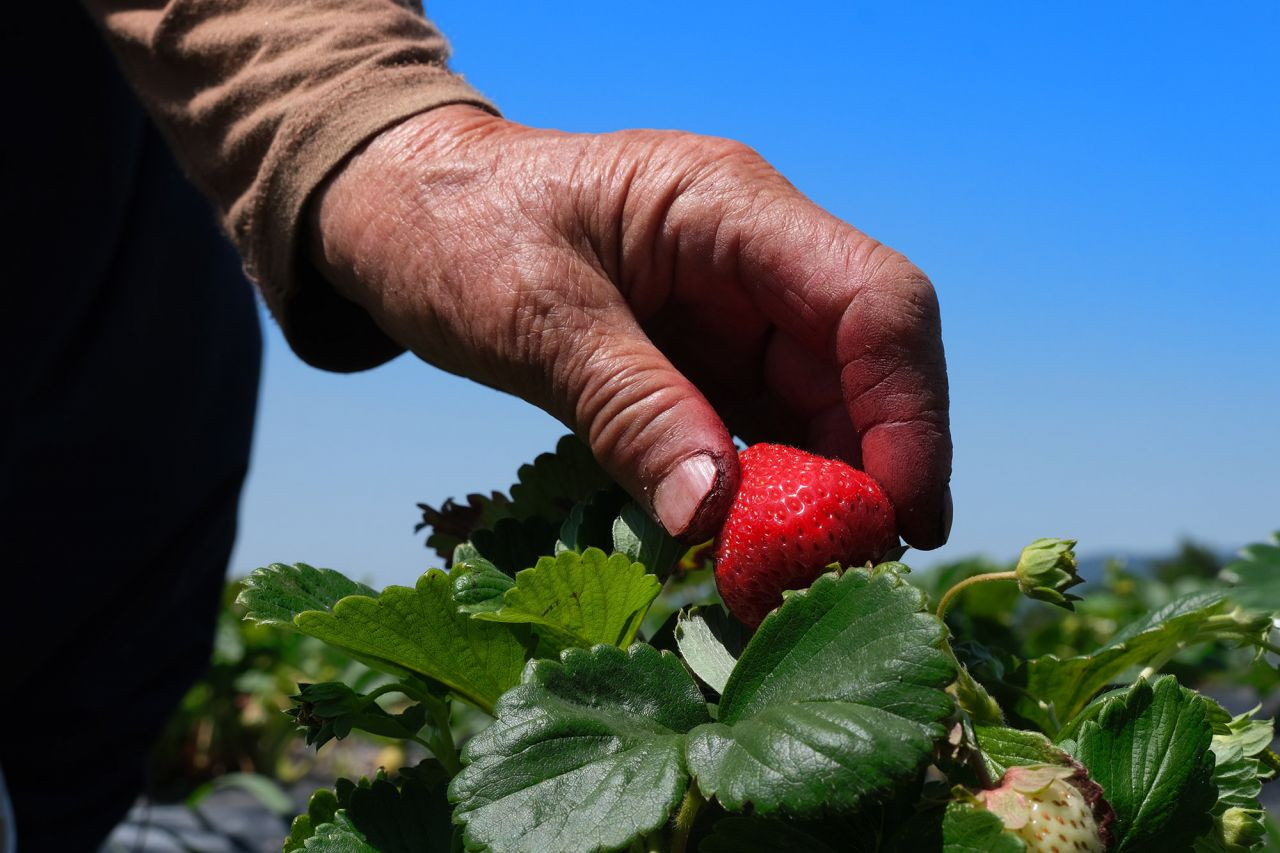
(688, 813)
(950, 594)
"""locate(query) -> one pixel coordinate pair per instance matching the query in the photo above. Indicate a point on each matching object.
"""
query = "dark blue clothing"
(131, 353)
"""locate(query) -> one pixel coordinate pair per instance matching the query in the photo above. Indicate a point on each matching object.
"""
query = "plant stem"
(688, 813)
(950, 594)
(441, 742)
(1160, 660)
(385, 689)
(1269, 758)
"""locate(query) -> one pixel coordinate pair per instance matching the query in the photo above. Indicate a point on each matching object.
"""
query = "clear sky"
(1094, 189)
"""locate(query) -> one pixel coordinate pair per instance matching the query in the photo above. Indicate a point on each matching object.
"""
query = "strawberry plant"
(869, 710)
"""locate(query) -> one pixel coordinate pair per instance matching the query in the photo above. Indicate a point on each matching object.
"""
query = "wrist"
(351, 220)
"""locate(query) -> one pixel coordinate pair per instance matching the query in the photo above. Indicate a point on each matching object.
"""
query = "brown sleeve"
(261, 100)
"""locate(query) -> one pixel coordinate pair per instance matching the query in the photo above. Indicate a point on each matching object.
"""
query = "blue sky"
(1093, 188)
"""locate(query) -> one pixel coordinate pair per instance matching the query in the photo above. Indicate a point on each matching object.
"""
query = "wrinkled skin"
(656, 291)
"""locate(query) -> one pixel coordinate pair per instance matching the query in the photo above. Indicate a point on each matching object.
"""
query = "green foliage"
(550, 485)
(1056, 689)
(276, 594)
(513, 544)
(411, 632)
(837, 698)
(453, 523)
(590, 522)
(420, 631)
(321, 808)
(1255, 578)
(338, 837)
(842, 688)
(579, 600)
(510, 530)
(698, 634)
(407, 819)
(478, 585)
(333, 710)
(814, 733)
(1004, 748)
(645, 541)
(409, 815)
(586, 754)
(1238, 775)
(1149, 748)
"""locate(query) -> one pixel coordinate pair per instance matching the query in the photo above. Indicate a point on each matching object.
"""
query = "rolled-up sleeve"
(262, 100)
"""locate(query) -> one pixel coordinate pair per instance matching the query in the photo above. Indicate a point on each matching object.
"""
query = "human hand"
(655, 291)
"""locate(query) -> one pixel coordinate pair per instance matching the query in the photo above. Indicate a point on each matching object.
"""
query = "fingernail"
(948, 510)
(679, 496)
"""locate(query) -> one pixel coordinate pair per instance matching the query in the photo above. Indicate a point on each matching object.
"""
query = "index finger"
(894, 379)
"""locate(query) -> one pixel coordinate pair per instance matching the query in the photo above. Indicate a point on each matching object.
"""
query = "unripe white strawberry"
(1052, 808)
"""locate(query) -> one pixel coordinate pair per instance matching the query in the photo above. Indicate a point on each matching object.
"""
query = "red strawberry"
(795, 514)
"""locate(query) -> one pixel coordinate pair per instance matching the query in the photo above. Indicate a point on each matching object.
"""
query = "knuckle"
(715, 163)
(897, 295)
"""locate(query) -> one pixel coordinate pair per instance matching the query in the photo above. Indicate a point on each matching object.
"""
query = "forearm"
(261, 101)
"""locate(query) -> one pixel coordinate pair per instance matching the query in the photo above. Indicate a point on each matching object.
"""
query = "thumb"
(650, 427)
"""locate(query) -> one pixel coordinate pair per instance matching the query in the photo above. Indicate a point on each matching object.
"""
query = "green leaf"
(1252, 736)
(1255, 578)
(320, 810)
(590, 522)
(1057, 689)
(409, 819)
(275, 594)
(1149, 750)
(544, 494)
(968, 829)
(702, 648)
(409, 816)
(554, 482)
(513, 544)
(580, 599)
(419, 631)
(837, 699)
(338, 837)
(514, 532)
(645, 541)
(478, 585)
(1004, 748)
(1238, 776)
(1184, 610)
(453, 523)
(586, 754)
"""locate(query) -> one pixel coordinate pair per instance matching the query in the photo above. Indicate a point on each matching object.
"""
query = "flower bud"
(1242, 829)
(1047, 569)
